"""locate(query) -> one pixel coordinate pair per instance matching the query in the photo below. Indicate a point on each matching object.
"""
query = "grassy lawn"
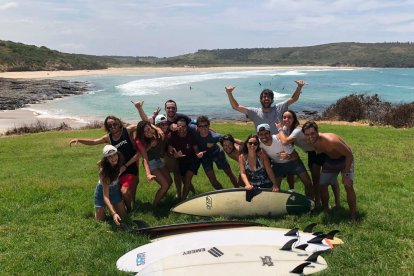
(46, 210)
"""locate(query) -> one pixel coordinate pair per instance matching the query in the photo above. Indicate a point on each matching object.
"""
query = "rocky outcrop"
(16, 93)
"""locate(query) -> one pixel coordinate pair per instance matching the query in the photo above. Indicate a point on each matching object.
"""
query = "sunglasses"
(253, 143)
(162, 124)
(114, 125)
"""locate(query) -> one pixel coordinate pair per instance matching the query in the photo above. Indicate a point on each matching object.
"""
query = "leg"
(187, 183)
(232, 177)
(324, 197)
(120, 209)
(290, 178)
(127, 197)
(164, 180)
(316, 173)
(128, 189)
(100, 213)
(213, 180)
(335, 190)
(351, 198)
(307, 183)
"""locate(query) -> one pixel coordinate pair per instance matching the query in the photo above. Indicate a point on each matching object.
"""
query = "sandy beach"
(21, 117)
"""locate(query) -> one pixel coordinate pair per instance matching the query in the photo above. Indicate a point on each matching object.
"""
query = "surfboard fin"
(331, 235)
(302, 246)
(299, 268)
(250, 194)
(309, 228)
(288, 245)
(314, 257)
(292, 233)
(317, 239)
(317, 233)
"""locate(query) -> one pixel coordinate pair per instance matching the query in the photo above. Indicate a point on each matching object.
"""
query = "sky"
(164, 28)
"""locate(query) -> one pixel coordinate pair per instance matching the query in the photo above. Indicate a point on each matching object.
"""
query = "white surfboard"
(236, 203)
(235, 260)
(139, 258)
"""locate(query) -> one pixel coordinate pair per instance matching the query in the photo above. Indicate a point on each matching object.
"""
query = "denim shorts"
(114, 195)
(155, 164)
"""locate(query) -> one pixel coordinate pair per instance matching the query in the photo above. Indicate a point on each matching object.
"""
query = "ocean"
(203, 93)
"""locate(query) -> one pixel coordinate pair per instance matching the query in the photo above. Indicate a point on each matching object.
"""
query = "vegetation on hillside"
(21, 57)
(399, 55)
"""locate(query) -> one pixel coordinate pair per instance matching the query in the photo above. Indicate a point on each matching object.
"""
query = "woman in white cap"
(107, 192)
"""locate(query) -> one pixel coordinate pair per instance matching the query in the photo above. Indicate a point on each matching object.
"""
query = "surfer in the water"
(107, 192)
(339, 160)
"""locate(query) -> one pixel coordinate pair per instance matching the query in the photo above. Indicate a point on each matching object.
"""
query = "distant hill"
(399, 55)
(22, 57)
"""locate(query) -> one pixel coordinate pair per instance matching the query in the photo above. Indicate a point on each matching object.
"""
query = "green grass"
(46, 210)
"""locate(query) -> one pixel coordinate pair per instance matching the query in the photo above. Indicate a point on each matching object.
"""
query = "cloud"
(8, 6)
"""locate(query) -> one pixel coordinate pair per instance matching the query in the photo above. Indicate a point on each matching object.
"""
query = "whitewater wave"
(55, 114)
(291, 73)
(152, 86)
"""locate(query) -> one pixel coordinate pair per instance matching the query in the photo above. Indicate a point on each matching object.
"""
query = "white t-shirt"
(274, 150)
(300, 140)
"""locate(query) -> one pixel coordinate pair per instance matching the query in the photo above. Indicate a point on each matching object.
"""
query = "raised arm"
(139, 106)
(282, 136)
(234, 104)
(90, 142)
(296, 94)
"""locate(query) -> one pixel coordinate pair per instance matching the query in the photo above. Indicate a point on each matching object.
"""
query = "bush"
(357, 107)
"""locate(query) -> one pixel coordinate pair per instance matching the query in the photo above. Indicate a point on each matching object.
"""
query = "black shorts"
(315, 158)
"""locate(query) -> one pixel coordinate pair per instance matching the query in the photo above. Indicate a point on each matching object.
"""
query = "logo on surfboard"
(140, 259)
(215, 252)
(267, 260)
(209, 202)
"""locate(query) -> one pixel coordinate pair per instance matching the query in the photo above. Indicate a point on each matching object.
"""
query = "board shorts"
(220, 160)
(294, 167)
(188, 164)
(114, 195)
(155, 164)
(127, 180)
(315, 158)
(331, 169)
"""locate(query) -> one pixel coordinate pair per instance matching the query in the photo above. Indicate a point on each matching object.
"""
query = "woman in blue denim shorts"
(107, 192)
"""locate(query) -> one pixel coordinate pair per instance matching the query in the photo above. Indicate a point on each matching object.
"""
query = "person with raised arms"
(120, 136)
(267, 114)
(107, 192)
(339, 159)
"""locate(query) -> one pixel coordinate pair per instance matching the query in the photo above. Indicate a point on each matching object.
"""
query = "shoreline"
(132, 70)
(10, 119)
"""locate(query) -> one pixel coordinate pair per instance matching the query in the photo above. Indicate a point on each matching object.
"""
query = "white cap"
(108, 150)
(159, 119)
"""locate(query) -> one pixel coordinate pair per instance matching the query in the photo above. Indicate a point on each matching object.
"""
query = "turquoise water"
(113, 94)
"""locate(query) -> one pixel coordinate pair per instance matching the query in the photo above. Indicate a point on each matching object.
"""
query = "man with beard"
(267, 114)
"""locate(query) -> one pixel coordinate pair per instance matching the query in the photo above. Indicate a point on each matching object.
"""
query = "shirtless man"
(339, 160)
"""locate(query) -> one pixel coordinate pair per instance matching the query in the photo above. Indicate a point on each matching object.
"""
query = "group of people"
(175, 144)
